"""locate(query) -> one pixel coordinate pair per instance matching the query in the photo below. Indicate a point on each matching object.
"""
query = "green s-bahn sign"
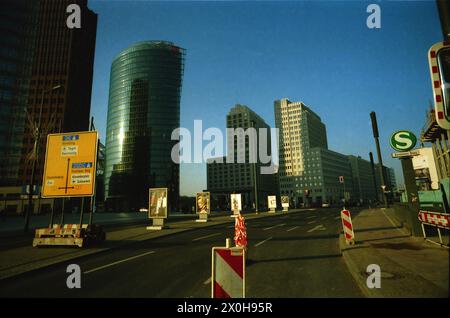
(403, 140)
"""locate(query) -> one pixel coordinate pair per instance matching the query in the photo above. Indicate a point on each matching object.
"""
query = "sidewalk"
(410, 266)
(16, 261)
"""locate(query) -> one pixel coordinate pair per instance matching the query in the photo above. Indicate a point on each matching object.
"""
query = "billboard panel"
(285, 201)
(236, 204)
(203, 202)
(157, 203)
(272, 201)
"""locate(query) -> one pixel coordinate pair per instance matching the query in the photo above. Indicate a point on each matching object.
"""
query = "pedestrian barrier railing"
(437, 220)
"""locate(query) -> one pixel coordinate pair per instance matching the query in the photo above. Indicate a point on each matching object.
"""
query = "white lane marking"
(203, 237)
(262, 242)
(118, 262)
(311, 222)
(311, 216)
(392, 222)
(295, 227)
(208, 281)
(268, 228)
(318, 227)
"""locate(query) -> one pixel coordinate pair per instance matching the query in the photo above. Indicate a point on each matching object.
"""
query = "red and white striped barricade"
(68, 234)
(347, 227)
(436, 219)
(240, 232)
(228, 272)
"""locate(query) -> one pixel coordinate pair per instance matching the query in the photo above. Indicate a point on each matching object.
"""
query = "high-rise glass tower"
(143, 110)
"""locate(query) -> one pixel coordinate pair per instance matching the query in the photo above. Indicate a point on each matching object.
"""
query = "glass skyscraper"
(143, 110)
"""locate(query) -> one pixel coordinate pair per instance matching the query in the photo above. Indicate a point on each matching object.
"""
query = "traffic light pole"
(373, 117)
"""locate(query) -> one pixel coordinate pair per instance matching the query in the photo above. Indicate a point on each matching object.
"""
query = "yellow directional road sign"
(70, 162)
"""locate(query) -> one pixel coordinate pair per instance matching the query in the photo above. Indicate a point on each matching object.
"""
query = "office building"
(61, 57)
(224, 178)
(363, 180)
(17, 35)
(309, 172)
(143, 110)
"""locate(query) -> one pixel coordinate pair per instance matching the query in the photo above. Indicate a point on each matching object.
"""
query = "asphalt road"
(295, 255)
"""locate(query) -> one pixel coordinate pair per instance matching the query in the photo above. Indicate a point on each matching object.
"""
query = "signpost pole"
(62, 211)
(52, 215)
(81, 212)
(91, 211)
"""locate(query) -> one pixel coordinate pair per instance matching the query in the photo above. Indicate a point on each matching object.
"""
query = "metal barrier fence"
(435, 219)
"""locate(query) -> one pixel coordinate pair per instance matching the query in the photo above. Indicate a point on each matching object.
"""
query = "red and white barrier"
(347, 227)
(435, 218)
(240, 232)
(228, 272)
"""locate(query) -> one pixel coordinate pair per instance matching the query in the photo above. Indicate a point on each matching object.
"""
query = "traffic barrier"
(228, 272)
(347, 227)
(437, 220)
(240, 232)
(69, 234)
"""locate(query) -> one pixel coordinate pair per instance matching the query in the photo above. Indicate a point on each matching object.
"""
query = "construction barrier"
(435, 219)
(347, 227)
(69, 234)
(240, 232)
(228, 272)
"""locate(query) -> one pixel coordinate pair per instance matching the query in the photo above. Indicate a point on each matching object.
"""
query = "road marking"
(268, 228)
(311, 222)
(311, 216)
(392, 222)
(208, 281)
(295, 227)
(262, 242)
(118, 262)
(203, 237)
(318, 227)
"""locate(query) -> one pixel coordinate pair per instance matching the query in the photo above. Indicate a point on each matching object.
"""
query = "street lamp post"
(37, 137)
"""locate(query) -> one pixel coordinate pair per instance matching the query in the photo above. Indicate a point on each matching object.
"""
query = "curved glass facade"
(143, 110)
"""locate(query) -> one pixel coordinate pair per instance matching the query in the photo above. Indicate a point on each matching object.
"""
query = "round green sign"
(403, 140)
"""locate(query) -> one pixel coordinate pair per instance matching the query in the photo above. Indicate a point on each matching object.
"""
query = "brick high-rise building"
(62, 56)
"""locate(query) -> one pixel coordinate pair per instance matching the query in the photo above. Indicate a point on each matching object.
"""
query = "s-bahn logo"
(403, 140)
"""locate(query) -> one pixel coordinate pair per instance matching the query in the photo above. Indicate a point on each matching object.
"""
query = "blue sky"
(318, 52)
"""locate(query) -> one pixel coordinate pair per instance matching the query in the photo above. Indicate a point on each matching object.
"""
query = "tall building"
(61, 56)
(225, 178)
(17, 34)
(363, 182)
(143, 110)
(389, 177)
(309, 172)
